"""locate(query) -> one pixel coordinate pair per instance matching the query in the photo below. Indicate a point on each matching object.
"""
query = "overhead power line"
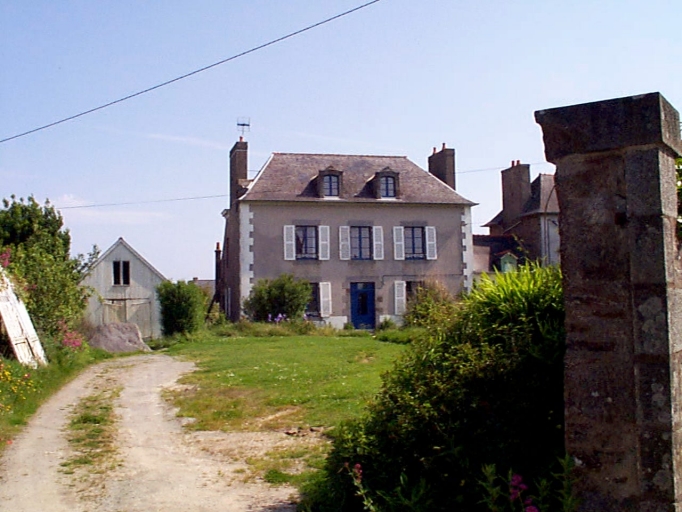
(140, 202)
(187, 75)
(99, 205)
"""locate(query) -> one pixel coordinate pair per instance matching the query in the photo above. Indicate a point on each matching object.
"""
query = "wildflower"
(5, 257)
(532, 508)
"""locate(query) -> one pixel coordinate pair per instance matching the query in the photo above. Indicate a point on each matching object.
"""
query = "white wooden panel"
(431, 249)
(325, 299)
(378, 236)
(398, 243)
(22, 334)
(323, 232)
(289, 242)
(344, 242)
(400, 297)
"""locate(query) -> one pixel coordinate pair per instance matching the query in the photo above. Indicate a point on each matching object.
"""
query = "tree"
(284, 297)
(35, 248)
(182, 307)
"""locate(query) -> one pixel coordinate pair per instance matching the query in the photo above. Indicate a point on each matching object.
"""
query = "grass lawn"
(255, 383)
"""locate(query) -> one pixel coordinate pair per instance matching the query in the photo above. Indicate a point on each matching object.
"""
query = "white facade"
(124, 285)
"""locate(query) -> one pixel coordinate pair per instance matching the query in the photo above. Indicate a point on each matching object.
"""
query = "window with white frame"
(330, 185)
(361, 243)
(414, 243)
(387, 186)
(306, 242)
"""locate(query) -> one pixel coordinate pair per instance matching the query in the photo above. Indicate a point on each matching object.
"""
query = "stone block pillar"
(615, 183)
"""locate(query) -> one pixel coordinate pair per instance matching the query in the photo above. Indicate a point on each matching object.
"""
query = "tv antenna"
(243, 124)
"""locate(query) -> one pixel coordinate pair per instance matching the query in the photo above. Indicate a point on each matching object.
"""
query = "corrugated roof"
(292, 177)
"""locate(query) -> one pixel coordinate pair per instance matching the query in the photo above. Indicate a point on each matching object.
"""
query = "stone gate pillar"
(615, 183)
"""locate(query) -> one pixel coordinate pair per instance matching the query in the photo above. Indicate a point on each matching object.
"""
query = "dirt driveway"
(158, 466)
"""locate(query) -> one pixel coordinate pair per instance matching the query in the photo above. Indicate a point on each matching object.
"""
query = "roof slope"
(125, 244)
(292, 177)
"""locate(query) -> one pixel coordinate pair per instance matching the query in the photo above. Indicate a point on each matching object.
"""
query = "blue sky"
(396, 78)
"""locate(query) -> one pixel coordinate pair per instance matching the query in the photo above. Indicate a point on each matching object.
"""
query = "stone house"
(125, 290)
(363, 230)
(527, 227)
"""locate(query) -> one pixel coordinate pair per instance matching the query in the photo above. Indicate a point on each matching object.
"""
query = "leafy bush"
(487, 390)
(35, 249)
(432, 307)
(182, 307)
(404, 335)
(282, 298)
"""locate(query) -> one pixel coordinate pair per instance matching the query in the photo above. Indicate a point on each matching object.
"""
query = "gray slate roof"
(292, 177)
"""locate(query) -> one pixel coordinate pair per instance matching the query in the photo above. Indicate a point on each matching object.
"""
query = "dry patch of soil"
(157, 465)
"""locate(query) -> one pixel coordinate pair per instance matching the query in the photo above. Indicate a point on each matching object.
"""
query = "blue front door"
(362, 313)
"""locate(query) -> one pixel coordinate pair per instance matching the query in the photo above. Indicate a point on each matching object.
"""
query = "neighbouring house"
(365, 231)
(125, 290)
(527, 228)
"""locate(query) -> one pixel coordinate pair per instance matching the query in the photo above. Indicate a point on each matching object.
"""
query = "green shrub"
(35, 246)
(432, 306)
(404, 335)
(278, 299)
(488, 390)
(182, 307)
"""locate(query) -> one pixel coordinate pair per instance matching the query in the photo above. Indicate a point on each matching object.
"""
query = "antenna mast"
(243, 125)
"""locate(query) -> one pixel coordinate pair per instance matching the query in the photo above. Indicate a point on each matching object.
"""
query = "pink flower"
(532, 508)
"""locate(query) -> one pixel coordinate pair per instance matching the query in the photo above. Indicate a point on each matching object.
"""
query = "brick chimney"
(442, 165)
(239, 168)
(515, 192)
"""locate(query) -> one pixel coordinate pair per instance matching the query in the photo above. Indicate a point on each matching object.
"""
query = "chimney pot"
(434, 150)
(443, 145)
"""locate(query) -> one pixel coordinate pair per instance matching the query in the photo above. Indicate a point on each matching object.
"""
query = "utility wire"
(182, 77)
(139, 202)
(222, 195)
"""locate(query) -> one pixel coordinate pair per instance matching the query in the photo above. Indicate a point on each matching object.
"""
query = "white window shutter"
(398, 243)
(344, 242)
(289, 242)
(378, 236)
(325, 299)
(400, 297)
(431, 249)
(323, 232)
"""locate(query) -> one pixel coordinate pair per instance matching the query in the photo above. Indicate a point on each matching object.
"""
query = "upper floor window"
(121, 273)
(306, 242)
(330, 182)
(415, 243)
(361, 242)
(387, 186)
(330, 185)
(386, 183)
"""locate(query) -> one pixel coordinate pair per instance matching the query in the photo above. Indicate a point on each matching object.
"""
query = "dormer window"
(386, 184)
(329, 183)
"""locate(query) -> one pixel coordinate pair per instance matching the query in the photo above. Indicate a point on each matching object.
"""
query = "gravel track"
(160, 467)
